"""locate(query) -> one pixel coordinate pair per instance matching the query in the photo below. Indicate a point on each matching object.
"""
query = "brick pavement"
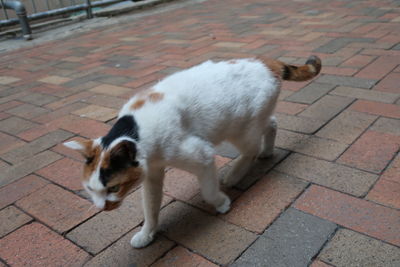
(330, 196)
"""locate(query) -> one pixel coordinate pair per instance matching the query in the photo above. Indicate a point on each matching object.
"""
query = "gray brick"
(40, 144)
(12, 218)
(38, 99)
(365, 94)
(292, 240)
(348, 249)
(27, 111)
(347, 81)
(310, 93)
(28, 166)
(326, 108)
(211, 237)
(329, 174)
(14, 125)
(298, 124)
(341, 42)
(387, 125)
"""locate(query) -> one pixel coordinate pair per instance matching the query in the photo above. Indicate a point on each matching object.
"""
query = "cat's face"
(108, 174)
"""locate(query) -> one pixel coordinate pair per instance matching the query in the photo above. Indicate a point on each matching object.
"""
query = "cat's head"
(109, 173)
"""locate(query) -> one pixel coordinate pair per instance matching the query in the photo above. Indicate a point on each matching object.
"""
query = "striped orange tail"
(295, 73)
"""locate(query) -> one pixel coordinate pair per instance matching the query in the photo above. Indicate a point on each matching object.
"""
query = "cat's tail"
(296, 73)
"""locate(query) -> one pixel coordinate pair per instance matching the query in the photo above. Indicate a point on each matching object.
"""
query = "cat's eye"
(89, 160)
(113, 189)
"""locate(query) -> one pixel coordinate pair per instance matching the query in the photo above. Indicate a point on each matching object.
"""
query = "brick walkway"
(329, 197)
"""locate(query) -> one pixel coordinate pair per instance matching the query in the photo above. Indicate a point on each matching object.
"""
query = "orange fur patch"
(138, 104)
(88, 169)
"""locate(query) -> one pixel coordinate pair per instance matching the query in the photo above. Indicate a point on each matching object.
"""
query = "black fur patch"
(286, 72)
(125, 126)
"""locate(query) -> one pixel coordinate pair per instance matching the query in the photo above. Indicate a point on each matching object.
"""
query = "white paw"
(224, 208)
(141, 239)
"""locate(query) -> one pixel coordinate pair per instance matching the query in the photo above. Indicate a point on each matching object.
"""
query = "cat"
(178, 122)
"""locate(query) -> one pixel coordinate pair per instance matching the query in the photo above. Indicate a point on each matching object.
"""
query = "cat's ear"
(124, 154)
(82, 146)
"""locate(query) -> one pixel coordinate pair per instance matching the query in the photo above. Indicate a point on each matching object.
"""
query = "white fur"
(74, 145)
(201, 107)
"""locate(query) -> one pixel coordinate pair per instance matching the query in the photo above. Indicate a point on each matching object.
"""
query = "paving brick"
(215, 239)
(389, 83)
(9, 105)
(346, 81)
(27, 111)
(376, 108)
(81, 96)
(326, 108)
(45, 248)
(358, 61)
(292, 240)
(310, 145)
(379, 68)
(14, 125)
(8, 79)
(66, 172)
(54, 79)
(97, 113)
(107, 101)
(338, 43)
(180, 256)
(28, 150)
(348, 248)
(356, 214)
(122, 254)
(365, 94)
(318, 263)
(289, 107)
(372, 151)
(347, 126)
(329, 174)
(111, 90)
(386, 125)
(299, 124)
(263, 202)
(387, 189)
(28, 166)
(12, 218)
(38, 99)
(310, 93)
(8, 142)
(56, 207)
(103, 229)
(71, 123)
(21, 188)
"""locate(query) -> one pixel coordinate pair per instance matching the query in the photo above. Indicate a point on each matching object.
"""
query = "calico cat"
(178, 122)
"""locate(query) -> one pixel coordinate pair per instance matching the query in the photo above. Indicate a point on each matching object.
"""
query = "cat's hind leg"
(268, 139)
(197, 157)
(152, 196)
(249, 147)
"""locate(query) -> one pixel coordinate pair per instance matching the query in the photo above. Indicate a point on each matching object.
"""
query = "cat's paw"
(226, 205)
(141, 239)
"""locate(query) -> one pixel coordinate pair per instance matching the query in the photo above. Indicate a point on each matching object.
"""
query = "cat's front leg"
(152, 196)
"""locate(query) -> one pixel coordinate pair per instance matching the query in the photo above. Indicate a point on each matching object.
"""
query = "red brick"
(9, 105)
(338, 71)
(65, 172)
(389, 84)
(37, 245)
(180, 256)
(290, 107)
(56, 207)
(354, 213)
(387, 190)
(372, 151)
(318, 263)
(264, 201)
(19, 189)
(92, 129)
(377, 108)
(379, 68)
